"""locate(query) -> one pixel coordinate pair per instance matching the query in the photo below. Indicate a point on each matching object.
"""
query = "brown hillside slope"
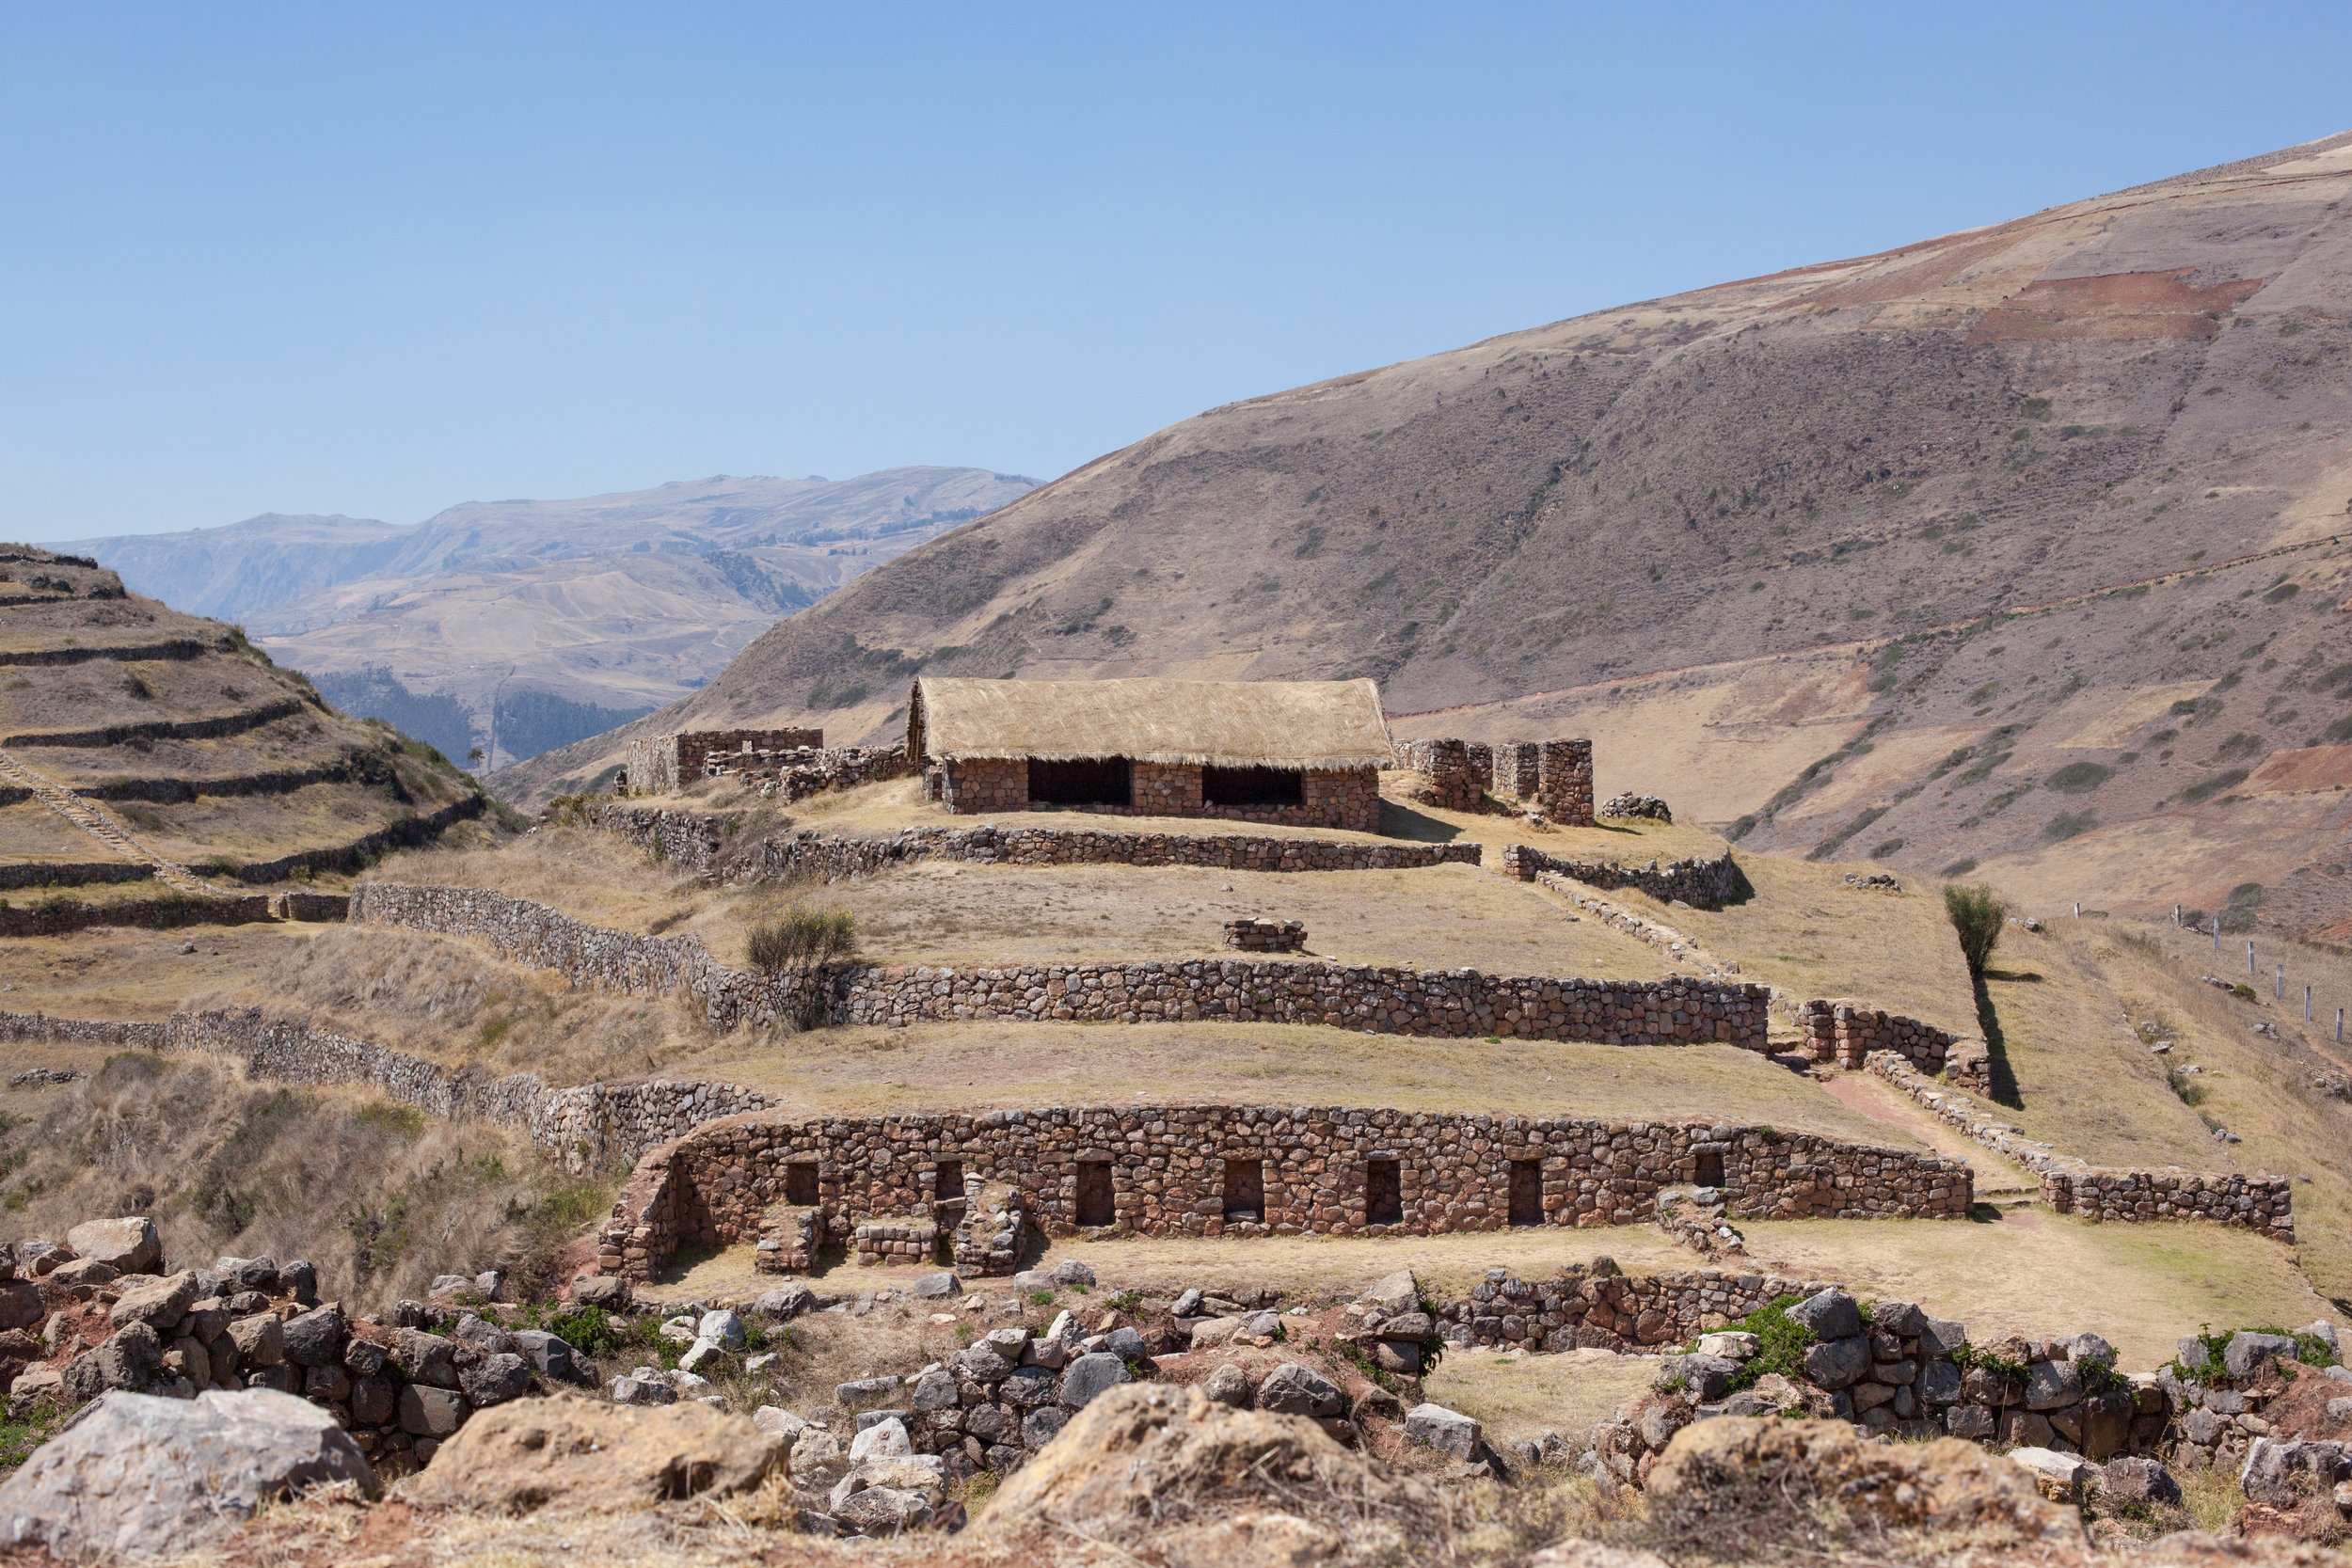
(1701, 523)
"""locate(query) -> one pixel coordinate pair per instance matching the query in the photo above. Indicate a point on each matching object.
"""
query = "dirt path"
(1869, 1095)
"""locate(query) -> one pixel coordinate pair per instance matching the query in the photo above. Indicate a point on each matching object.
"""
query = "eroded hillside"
(1754, 489)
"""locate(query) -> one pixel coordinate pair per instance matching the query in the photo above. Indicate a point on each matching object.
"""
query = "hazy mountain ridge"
(1760, 484)
(601, 608)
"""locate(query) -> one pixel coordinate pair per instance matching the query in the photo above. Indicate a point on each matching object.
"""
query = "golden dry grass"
(380, 1198)
(945, 1067)
(1517, 1398)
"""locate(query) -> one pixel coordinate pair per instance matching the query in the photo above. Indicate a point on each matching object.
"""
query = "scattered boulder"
(1829, 1315)
(2059, 1477)
(933, 1287)
(1091, 1375)
(20, 1305)
(608, 1291)
(1294, 1389)
(572, 1454)
(157, 1301)
(140, 1477)
(885, 1439)
(1434, 1426)
(786, 1300)
(127, 1245)
(1072, 1272)
(2246, 1350)
(1397, 1292)
(2135, 1480)
(723, 1327)
(1228, 1385)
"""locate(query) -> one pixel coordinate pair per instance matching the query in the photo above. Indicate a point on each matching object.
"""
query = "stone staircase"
(91, 819)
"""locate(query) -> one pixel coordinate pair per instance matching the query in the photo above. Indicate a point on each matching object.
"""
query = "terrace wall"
(1705, 884)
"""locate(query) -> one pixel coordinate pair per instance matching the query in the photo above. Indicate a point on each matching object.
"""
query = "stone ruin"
(664, 764)
(1631, 806)
(1265, 935)
(1555, 775)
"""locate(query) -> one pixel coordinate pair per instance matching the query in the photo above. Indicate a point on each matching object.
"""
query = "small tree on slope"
(1976, 914)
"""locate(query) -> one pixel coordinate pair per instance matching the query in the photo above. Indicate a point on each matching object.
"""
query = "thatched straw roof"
(1220, 724)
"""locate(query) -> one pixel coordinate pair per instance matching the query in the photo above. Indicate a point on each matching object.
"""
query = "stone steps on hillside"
(94, 820)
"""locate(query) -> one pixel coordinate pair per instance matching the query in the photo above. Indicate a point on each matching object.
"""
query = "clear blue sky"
(379, 259)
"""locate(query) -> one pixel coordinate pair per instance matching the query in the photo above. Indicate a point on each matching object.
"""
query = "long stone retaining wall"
(165, 729)
(60, 913)
(1455, 1003)
(701, 842)
(1706, 884)
(1214, 1170)
(71, 874)
(2263, 1204)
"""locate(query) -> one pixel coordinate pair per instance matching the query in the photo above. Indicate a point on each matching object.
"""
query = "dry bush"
(380, 1198)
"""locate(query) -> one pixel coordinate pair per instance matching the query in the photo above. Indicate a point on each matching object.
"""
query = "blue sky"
(328, 257)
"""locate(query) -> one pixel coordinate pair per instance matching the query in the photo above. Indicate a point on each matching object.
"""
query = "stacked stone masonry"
(1516, 769)
(661, 765)
(1447, 1004)
(1343, 798)
(1847, 1032)
(1702, 883)
(1163, 1170)
(1265, 935)
(703, 842)
(1564, 782)
(2263, 1204)
(1457, 783)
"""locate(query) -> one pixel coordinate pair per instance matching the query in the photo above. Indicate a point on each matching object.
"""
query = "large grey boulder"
(1830, 1315)
(1398, 1292)
(2246, 1350)
(1293, 1389)
(159, 1303)
(127, 1245)
(1837, 1364)
(140, 1477)
(608, 1291)
(1447, 1431)
(1091, 1375)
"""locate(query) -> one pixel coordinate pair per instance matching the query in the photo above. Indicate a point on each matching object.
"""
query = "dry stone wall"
(658, 765)
(1705, 884)
(1844, 1031)
(1449, 1004)
(1346, 798)
(1177, 1170)
(1565, 780)
(2265, 1204)
(71, 873)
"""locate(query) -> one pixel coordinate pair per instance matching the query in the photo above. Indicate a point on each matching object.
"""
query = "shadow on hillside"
(1398, 820)
(2003, 1080)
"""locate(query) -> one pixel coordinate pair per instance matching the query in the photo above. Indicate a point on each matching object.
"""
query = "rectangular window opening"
(1253, 786)
(1384, 1195)
(1711, 1168)
(948, 1187)
(1086, 781)
(800, 1183)
(1245, 1190)
(1527, 1192)
(1095, 1205)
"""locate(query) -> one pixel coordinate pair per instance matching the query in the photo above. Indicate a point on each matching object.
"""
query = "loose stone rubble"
(1265, 935)
(1646, 806)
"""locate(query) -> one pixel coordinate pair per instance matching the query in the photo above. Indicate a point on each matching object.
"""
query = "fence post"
(2282, 982)
(2306, 1003)
(2250, 959)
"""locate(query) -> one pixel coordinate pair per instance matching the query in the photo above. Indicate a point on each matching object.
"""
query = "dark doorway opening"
(800, 1183)
(1245, 1190)
(1087, 782)
(1253, 786)
(1095, 1206)
(1710, 1172)
(948, 1188)
(1384, 1195)
(1527, 1192)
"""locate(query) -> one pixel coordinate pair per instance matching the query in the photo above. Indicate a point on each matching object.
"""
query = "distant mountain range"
(2023, 552)
(520, 626)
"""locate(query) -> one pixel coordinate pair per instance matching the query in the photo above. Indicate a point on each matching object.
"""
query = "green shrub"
(1782, 1342)
(803, 938)
(1976, 914)
(2078, 778)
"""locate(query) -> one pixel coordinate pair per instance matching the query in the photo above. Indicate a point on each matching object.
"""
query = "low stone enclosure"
(1702, 883)
(659, 765)
(1463, 775)
(2265, 1204)
(1455, 1004)
(703, 842)
(1213, 1170)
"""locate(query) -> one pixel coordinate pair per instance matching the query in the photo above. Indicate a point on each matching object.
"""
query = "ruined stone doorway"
(1245, 1190)
(800, 1183)
(1384, 1197)
(1527, 1192)
(1711, 1168)
(1095, 1204)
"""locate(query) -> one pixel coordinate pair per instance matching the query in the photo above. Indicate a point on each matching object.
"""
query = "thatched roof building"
(1302, 751)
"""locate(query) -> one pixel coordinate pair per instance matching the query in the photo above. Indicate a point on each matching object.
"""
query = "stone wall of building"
(1565, 780)
(1455, 781)
(1516, 769)
(2265, 1204)
(1451, 1003)
(1163, 1170)
(1345, 798)
(1844, 1031)
(1704, 884)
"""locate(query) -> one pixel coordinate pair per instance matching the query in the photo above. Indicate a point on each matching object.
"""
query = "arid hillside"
(145, 754)
(1739, 531)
